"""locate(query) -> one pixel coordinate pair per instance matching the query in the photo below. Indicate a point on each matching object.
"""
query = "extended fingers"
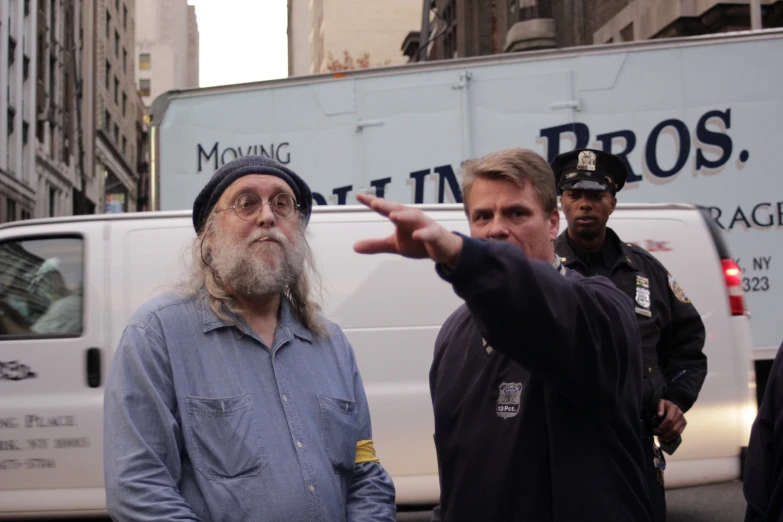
(375, 246)
(410, 218)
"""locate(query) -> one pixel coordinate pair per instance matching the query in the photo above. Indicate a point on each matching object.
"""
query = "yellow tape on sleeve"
(365, 452)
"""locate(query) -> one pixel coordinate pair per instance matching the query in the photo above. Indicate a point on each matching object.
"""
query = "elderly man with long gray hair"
(236, 399)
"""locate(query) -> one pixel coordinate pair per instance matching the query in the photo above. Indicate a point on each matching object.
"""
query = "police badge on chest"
(509, 398)
(643, 301)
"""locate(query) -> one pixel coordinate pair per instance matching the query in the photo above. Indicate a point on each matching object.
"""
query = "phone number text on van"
(16, 464)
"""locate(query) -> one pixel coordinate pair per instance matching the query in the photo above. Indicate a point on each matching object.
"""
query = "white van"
(69, 285)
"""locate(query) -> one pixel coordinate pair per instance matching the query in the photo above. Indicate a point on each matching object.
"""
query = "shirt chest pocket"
(225, 438)
(341, 431)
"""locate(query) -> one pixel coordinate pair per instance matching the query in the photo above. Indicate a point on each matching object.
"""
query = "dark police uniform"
(535, 384)
(763, 484)
(671, 329)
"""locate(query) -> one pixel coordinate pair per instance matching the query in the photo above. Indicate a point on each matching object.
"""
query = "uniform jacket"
(535, 385)
(763, 482)
(671, 329)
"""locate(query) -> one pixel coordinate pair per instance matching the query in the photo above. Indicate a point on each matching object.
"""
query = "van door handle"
(93, 367)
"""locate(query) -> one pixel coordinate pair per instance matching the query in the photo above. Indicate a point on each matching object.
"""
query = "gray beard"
(243, 272)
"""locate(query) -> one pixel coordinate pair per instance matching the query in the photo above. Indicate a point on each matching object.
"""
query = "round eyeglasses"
(248, 206)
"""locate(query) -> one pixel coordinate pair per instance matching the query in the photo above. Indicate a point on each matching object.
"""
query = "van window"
(41, 287)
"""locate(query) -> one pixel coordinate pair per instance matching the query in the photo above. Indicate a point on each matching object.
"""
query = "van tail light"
(733, 276)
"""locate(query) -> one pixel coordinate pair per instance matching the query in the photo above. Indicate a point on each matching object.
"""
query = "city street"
(714, 503)
(276, 260)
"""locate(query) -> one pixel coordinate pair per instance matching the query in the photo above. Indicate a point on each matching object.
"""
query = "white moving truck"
(68, 287)
(697, 119)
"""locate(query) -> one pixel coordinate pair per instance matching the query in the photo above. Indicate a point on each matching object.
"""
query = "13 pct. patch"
(677, 291)
(509, 396)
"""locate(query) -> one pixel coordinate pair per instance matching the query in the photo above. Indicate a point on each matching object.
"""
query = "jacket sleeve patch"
(677, 290)
(365, 452)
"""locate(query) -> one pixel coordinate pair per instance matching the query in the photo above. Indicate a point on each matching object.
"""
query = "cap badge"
(586, 160)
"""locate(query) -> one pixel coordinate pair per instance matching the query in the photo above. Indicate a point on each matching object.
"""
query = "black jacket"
(544, 425)
(671, 329)
(763, 482)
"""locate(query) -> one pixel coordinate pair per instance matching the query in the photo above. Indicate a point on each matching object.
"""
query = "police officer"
(671, 329)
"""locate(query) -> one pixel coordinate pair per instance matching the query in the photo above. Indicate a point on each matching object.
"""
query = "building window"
(145, 61)
(108, 73)
(26, 13)
(107, 121)
(627, 33)
(116, 89)
(450, 34)
(26, 214)
(116, 44)
(124, 61)
(116, 134)
(10, 210)
(124, 145)
(117, 5)
(25, 131)
(11, 50)
(144, 87)
(125, 17)
(108, 24)
(52, 201)
(11, 115)
(52, 79)
(124, 103)
(116, 194)
(26, 67)
(52, 140)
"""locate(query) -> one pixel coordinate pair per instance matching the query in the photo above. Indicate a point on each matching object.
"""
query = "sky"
(241, 40)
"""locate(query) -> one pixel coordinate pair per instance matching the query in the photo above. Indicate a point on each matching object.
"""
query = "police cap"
(589, 169)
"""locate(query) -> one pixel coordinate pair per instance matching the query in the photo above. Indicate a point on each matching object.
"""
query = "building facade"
(642, 20)
(142, 155)
(320, 32)
(464, 28)
(167, 47)
(18, 180)
(42, 173)
(194, 41)
(72, 136)
(115, 102)
(58, 132)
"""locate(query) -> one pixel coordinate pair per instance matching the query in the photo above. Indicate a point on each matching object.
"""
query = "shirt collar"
(566, 247)
(288, 325)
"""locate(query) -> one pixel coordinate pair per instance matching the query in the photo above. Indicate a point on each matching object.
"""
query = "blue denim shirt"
(203, 422)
